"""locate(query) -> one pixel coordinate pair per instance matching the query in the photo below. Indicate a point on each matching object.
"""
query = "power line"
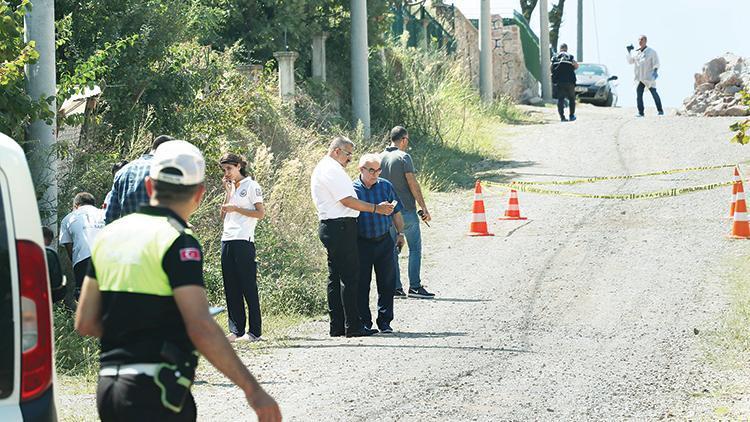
(596, 31)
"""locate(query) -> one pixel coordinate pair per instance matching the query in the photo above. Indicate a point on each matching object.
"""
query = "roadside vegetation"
(728, 346)
(188, 82)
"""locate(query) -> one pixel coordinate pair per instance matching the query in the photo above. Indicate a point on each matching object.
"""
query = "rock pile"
(717, 88)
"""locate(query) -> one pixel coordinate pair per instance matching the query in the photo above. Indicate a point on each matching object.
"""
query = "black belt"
(339, 220)
(375, 239)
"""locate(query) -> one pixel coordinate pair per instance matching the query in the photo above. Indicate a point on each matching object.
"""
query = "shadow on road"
(459, 300)
(318, 345)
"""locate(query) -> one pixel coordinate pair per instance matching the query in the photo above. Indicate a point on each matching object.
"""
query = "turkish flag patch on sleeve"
(190, 254)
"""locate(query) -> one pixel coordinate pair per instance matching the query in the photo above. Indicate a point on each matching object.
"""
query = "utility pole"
(39, 26)
(544, 50)
(579, 50)
(360, 70)
(485, 53)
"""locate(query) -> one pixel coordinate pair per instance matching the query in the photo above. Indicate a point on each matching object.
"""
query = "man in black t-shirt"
(144, 298)
(564, 77)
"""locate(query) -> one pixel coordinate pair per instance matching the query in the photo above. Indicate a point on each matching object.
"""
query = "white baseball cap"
(179, 163)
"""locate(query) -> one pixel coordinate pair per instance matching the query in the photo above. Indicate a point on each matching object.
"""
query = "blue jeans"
(639, 98)
(413, 235)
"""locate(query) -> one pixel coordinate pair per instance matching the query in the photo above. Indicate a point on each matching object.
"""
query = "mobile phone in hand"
(421, 215)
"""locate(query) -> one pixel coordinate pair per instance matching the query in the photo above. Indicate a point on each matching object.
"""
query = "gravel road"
(586, 311)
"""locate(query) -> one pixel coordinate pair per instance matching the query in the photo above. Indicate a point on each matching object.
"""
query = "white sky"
(685, 34)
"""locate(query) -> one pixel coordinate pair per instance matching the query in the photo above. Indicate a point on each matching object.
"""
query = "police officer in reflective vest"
(144, 298)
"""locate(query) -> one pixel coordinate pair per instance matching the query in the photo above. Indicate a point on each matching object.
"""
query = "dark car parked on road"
(594, 85)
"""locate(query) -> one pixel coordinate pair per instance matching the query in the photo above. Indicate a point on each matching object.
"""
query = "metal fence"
(412, 19)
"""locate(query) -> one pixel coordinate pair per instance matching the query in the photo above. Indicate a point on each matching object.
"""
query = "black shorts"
(136, 398)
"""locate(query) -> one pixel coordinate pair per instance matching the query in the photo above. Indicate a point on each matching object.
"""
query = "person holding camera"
(563, 69)
(375, 244)
(646, 70)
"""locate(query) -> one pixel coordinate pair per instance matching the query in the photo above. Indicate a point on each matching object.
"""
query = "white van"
(26, 350)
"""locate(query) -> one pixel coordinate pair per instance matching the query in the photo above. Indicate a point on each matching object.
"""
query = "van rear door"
(9, 310)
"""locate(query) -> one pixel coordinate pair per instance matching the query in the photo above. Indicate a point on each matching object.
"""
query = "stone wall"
(510, 76)
(467, 44)
(509, 69)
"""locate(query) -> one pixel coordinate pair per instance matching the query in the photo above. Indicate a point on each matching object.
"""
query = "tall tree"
(527, 8)
(555, 18)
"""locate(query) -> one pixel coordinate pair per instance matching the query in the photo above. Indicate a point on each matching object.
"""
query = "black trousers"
(339, 236)
(566, 90)
(79, 270)
(136, 398)
(379, 255)
(639, 98)
(240, 273)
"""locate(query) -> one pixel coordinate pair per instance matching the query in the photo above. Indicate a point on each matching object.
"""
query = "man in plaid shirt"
(376, 248)
(129, 188)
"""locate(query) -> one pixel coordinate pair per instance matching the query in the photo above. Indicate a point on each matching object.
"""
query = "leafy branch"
(740, 128)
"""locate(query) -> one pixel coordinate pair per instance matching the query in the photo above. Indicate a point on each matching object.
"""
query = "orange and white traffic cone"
(478, 225)
(736, 183)
(513, 212)
(740, 226)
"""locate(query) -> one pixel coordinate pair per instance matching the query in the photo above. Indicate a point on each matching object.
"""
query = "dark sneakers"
(421, 293)
(572, 117)
(362, 332)
(399, 294)
(386, 329)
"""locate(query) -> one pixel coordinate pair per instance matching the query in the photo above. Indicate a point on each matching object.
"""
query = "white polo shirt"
(236, 225)
(330, 184)
(80, 228)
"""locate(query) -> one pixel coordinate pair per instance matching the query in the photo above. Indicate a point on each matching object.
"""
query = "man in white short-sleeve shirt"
(236, 225)
(78, 231)
(338, 208)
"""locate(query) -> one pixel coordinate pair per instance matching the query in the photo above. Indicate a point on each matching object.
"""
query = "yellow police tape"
(631, 176)
(657, 194)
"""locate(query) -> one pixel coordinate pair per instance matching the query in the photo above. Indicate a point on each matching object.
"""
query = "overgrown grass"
(732, 339)
(75, 355)
(450, 128)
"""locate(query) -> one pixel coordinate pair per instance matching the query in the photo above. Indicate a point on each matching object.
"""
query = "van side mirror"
(612, 78)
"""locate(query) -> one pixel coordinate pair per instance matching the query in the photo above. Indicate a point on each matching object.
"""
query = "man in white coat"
(646, 63)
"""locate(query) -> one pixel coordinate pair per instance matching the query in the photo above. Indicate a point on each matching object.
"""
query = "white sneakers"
(231, 337)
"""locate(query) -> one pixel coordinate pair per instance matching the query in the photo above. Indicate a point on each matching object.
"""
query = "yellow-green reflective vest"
(128, 254)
